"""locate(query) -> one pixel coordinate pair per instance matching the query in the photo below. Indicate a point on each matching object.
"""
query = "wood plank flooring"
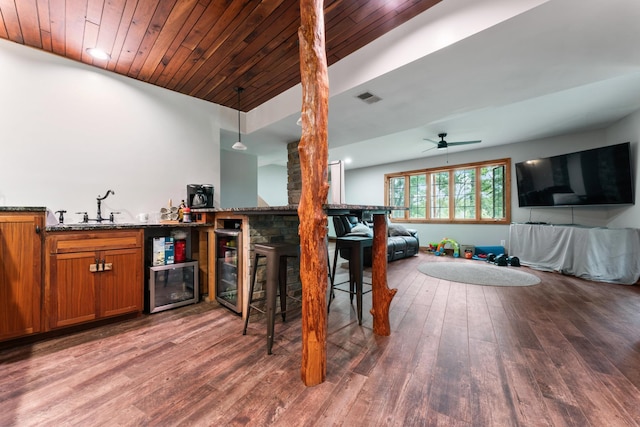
(565, 352)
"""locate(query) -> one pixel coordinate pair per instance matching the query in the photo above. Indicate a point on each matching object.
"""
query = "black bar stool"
(355, 245)
(276, 265)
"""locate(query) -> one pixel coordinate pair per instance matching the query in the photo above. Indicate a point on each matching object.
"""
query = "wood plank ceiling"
(201, 48)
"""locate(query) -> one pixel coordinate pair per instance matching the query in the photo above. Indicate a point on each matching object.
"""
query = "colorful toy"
(440, 249)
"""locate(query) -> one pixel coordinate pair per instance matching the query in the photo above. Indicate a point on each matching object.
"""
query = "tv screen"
(601, 176)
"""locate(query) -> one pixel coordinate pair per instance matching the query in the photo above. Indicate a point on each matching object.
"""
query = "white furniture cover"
(601, 254)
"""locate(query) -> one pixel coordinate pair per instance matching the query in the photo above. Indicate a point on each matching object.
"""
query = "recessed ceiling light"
(347, 160)
(98, 53)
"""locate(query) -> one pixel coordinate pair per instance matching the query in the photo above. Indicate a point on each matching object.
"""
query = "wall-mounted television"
(597, 177)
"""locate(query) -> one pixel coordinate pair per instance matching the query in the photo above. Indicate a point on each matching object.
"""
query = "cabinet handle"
(38, 229)
(100, 266)
(95, 268)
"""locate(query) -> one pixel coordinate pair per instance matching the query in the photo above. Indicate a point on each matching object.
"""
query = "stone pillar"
(294, 180)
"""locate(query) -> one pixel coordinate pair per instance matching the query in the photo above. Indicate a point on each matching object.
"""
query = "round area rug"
(478, 274)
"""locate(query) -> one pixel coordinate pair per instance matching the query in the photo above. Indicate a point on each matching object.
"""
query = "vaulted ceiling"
(201, 48)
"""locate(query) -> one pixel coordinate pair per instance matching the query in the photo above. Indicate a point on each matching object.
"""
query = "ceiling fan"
(444, 144)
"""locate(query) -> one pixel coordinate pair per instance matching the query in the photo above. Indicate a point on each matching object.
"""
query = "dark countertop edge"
(91, 227)
(23, 209)
(335, 209)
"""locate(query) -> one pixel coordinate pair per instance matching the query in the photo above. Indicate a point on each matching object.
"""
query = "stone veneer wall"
(294, 176)
(275, 229)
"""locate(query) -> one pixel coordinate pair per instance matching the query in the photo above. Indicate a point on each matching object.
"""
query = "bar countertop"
(23, 209)
(293, 209)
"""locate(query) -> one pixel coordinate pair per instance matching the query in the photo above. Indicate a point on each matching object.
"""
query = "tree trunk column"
(313, 150)
(381, 295)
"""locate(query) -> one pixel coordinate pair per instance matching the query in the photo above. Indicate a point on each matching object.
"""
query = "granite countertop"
(102, 226)
(122, 226)
(293, 209)
(23, 209)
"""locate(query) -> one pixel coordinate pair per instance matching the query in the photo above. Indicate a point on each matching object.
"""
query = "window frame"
(450, 169)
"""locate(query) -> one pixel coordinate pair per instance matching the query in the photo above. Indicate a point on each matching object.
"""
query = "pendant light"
(239, 145)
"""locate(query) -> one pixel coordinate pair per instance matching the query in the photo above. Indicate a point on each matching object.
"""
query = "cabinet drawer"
(93, 241)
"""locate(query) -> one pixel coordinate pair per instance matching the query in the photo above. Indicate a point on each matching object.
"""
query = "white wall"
(627, 129)
(70, 132)
(239, 178)
(366, 185)
(272, 185)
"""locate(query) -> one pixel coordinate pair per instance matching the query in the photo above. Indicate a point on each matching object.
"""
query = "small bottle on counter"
(181, 211)
(186, 214)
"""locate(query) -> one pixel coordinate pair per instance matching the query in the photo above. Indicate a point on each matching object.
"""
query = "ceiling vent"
(369, 98)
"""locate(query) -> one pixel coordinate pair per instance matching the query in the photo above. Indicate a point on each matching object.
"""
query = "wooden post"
(381, 295)
(313, 150)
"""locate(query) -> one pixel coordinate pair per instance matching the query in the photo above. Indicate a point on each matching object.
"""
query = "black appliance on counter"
(200, 195)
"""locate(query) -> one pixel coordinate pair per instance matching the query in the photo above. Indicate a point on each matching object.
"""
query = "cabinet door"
(121, 287)
(20, 274)
(73, 288)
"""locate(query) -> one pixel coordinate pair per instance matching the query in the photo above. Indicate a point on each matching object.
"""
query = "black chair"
(351, 247)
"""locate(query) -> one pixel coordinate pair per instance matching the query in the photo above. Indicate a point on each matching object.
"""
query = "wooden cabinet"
(93, 275)
(20, 273)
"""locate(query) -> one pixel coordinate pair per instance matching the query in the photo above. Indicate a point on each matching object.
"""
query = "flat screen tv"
(597, 177)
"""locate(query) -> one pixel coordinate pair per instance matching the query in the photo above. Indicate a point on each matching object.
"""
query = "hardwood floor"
(565, 352)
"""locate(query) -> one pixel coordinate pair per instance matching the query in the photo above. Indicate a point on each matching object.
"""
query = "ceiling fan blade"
(463, 142)
(429, 149)
(431, 140)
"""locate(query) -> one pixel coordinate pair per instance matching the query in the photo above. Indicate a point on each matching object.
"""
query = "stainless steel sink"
(88, 225)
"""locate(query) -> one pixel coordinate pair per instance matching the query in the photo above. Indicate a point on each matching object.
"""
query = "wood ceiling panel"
(29, 27)
(219, 43)
(90, 39)
(161, 20)
(57, 26)
(137, 28)
(201, 48)
(94, 11)
(166, 38)
(75, 13)
(117, 18)
(10, 21)
(243, 60)
(44, 24)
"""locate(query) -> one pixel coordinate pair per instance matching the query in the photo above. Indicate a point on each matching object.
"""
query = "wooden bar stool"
(355, 245)
(276, 265)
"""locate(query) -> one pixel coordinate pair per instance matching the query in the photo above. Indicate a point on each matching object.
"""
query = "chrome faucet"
(100, 199)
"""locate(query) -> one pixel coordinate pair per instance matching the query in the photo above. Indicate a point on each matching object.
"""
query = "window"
(470, 193)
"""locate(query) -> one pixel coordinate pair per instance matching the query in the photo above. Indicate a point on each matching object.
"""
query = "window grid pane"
(465, 193)
(418, 196)
(440, 195)
(396, 195)
(492, 192)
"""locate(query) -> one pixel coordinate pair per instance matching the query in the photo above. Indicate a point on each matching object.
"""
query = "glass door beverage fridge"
(228, 268)
(172, 285)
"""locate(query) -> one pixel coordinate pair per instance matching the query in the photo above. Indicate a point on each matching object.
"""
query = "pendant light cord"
(239, 89)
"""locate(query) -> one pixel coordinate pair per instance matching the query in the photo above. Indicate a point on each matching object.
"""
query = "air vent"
(369, 98)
